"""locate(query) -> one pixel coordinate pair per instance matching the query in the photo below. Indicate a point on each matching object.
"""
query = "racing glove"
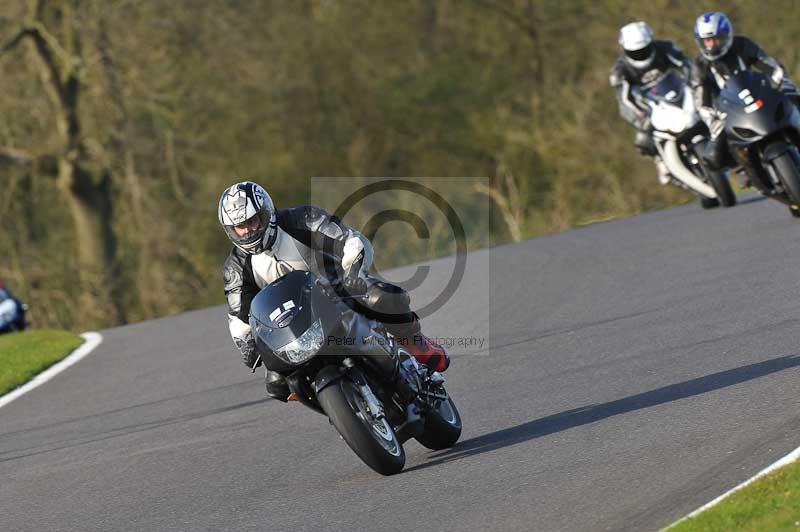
(353, 248)
(777, 77)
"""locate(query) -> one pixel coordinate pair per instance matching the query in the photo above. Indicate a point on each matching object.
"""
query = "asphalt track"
(634, 370)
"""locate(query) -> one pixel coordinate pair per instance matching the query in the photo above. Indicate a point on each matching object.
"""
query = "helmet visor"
(714, 46)
(641, 54)
(249, 234)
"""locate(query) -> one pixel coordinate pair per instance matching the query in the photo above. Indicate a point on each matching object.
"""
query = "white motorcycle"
(680, 136)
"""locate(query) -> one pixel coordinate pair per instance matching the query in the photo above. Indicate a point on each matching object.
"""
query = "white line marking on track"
(786, 460)
(92, 340)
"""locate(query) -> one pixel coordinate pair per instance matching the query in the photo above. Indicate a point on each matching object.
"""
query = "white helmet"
(248, 216)
(713, 25)
(636, 40)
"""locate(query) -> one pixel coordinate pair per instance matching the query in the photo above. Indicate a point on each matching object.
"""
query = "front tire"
(442, 427)
(373, 440)
(789, 174)
(719, 181)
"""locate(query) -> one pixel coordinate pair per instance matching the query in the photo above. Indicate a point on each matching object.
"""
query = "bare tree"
(55, 33)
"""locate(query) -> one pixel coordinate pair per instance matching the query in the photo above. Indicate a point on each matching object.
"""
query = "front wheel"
(789, 174)
(718, 181)
(723, 188)
(373, 439)
(442, 426)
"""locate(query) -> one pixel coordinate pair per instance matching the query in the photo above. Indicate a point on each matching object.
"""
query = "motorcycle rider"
(642, 61)
(722, 55)
(269, 243)
(19, 322)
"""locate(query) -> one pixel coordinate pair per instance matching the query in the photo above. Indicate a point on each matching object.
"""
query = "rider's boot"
(663, 171)
(425, 350)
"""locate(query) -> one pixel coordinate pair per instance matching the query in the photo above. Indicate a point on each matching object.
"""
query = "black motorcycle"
(763, 130)
(349, 368)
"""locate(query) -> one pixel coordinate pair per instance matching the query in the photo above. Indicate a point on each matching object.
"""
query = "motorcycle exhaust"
(671, 157)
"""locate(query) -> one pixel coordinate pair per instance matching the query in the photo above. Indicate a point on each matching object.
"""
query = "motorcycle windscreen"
(743, 90)
(668, 87)
(754, 109)
(284, 310)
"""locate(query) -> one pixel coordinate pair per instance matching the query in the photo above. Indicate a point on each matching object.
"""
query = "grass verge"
(769, 503)
(24, 354)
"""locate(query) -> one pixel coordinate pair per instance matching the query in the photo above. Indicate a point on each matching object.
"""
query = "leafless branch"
(14, 41)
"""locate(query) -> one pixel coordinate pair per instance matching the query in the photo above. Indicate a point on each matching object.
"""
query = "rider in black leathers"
(269, 243)
(642, 61)
(722, 55)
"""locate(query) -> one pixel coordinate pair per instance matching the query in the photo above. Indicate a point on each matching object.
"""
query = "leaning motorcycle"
(680, 137)
(12, 313)
(350, 369)
(763, 131)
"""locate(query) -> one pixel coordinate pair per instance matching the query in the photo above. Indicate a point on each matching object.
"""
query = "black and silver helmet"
(247, 214)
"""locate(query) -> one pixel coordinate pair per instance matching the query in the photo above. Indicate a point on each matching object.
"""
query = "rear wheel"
(709, 203)
(372, 438)
(442, 426)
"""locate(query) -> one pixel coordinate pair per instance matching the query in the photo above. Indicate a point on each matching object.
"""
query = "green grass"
(24, 354)
(769, 503)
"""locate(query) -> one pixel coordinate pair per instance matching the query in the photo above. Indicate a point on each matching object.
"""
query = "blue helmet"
(713, 33)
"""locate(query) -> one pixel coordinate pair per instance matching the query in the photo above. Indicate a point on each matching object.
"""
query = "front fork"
(373, 404)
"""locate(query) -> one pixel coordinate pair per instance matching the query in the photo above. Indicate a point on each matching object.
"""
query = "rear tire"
(442, 427)
(373, 440)
(709, 203)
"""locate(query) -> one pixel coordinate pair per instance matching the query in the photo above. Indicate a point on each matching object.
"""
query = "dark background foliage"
(122, 122)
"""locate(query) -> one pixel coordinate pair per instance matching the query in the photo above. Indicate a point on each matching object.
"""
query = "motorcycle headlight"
(304, 347)
(745, 133)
